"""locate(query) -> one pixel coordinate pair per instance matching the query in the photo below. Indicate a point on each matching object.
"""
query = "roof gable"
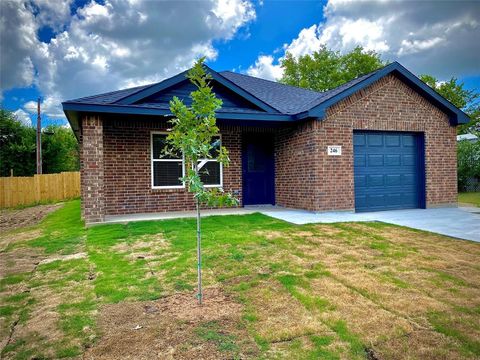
(182, 90)
(334, 96)
(225, 85)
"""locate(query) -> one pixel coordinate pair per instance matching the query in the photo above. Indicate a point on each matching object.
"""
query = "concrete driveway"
(462, 222)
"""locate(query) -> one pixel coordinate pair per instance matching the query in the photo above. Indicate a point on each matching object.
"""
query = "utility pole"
(39, 139)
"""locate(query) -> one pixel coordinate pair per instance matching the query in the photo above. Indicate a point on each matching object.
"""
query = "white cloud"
(110, 45)
(307, 42)
(265, 68)
(15, 56)
(48, 106)
(23, 117)
(52, 13)
(412, 47)
(435, 37)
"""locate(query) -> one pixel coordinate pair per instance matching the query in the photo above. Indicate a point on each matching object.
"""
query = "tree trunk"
(199, 254)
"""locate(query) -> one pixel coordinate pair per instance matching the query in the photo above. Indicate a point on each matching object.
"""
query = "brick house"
(383, 141)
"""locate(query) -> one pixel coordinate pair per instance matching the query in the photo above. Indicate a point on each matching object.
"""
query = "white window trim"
(152, 161)
(221, 168)
(221, 175)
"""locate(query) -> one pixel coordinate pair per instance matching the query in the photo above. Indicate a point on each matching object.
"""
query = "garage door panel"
(395, 200)
(360, 160)
(375, 180)
(374, 139)
(393, 179)
(409, 160)
(393, 160)
(358, 139)
(360, 181)
(375, 160)
(408, 140)
(388, 171)
(361, 200)
(392, 140)
(409, 179)
(376, 201)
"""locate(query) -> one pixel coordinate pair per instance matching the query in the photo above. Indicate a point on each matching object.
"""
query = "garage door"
(388, 168)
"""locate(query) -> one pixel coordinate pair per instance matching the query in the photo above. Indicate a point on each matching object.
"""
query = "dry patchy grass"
(274, 291)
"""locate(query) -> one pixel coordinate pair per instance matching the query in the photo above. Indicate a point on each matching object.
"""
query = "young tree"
(326, 69)
(193, 134)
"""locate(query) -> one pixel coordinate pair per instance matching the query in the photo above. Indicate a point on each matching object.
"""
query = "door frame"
(244, 139)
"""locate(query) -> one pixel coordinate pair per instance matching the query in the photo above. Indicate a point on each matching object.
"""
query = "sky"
(64, 49)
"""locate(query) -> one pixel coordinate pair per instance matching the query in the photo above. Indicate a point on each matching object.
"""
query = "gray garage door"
(389, 170)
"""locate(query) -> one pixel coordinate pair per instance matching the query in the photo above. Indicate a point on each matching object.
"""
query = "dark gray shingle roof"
(110, 97)
(286, 99)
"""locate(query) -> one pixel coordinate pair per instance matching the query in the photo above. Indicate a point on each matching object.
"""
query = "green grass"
(245, 256)
(472, 198)
(212, 332)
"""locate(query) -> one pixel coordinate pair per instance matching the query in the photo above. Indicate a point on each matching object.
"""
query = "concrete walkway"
(462, 222)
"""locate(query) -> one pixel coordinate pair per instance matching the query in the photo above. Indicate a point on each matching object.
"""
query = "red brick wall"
(128, 170)
(92, 170)
(296, 167)
(388, 104)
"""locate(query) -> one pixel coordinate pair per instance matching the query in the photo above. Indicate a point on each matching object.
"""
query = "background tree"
(326, 69)
(468, 164)
(18, 148)
(60, 151)
(193, 134)
(455, 92)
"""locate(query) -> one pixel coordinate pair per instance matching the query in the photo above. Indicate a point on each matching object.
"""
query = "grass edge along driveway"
(277, 290)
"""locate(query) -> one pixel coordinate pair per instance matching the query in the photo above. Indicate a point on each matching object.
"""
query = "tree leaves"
(326, 69)
(193, 129)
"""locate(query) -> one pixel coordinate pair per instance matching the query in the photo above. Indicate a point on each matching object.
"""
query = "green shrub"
(468, 154)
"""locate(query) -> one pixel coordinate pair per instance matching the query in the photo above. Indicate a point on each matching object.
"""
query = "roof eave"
(71, 107)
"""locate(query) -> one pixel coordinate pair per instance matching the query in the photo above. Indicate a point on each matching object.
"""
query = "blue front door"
(258, 169)
(389, 170)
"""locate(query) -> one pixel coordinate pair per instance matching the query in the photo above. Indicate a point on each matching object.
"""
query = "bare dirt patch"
(19, 260)
(80, 255)
(419, 344)
(15, 219)
(167, 328)
(8, 238)
(270, 235)
(281, 317)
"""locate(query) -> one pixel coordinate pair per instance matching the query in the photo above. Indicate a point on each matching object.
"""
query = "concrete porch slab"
(120, 219)
(461, 222)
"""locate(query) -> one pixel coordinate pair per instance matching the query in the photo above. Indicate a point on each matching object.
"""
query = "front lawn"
(273, 291)
(470, 198)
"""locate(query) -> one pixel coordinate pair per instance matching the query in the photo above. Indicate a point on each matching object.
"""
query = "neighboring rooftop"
(469, 137)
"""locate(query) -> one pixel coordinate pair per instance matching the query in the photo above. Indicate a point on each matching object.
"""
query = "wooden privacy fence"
(16, 191)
